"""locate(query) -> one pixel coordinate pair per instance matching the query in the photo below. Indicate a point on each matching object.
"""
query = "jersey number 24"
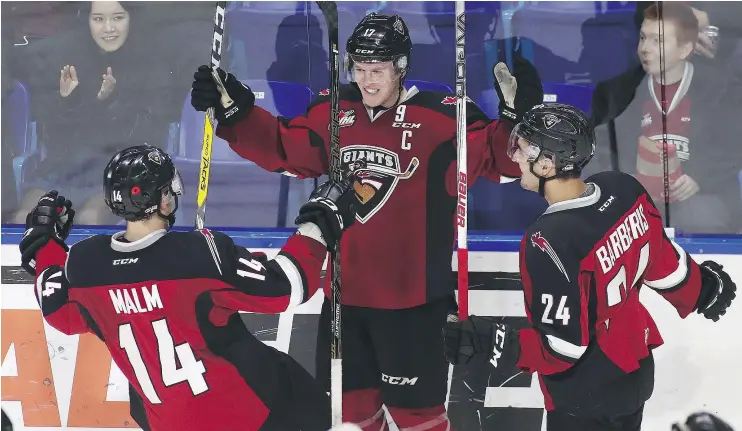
(616, 290)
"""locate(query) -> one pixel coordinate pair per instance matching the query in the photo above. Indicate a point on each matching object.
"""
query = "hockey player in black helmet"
(166, 303)
(395, 277)
(582, 264)
(377, 59)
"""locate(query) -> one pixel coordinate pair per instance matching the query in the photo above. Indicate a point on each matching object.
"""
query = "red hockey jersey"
(398, 255)
(166, 307)
(582, 266)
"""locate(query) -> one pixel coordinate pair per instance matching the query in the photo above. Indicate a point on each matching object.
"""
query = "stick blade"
(330, 11)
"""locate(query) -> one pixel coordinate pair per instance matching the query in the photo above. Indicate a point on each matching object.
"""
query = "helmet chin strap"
(171, 217)
(542, 180)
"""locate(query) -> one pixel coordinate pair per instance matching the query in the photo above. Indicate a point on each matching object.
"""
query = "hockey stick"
(663, 110)
(209, 121)
(411, 168)
(461, 219)
(330, 11)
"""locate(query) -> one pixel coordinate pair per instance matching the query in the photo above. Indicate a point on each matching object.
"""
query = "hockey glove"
(518, 91)
(51, 219)
(702, 422)
(332, 207)
(482, 338)
(230, 98)
(717, 291)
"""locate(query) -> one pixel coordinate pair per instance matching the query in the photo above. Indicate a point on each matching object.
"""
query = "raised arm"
(295, 146)
(43, 255)
(293, 276)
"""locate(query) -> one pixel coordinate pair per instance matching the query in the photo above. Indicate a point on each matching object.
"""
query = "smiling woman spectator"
(93, 91)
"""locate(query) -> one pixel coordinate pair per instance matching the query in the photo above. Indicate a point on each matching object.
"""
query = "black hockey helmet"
(136, 179)
(558, 132)
(380, 38)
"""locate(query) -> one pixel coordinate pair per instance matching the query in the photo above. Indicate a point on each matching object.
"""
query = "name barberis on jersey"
(135, 299)
(632, 227)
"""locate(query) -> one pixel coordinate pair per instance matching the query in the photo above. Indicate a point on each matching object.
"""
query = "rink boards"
(51, 381)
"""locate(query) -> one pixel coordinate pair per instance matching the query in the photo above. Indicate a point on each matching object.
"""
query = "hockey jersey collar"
(127, 247)
(579, 202)
(410, 92)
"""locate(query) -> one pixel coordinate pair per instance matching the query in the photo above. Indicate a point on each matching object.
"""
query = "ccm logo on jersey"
(632, 227)
(125, 261)
(406, 125)
(541, 242)
(400, 381)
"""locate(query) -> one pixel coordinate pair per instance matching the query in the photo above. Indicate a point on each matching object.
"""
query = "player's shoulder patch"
(445, 103)
(542, 240)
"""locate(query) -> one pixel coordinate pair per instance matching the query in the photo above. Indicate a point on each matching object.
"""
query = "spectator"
(701, 105)
(94, 90)
(727, 49)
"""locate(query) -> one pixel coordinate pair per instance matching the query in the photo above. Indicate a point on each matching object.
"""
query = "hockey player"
(165, 303)
(582, 264)
(397, 281)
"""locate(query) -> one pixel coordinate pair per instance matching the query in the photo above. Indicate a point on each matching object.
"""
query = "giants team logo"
(539, 241)
(378, 172)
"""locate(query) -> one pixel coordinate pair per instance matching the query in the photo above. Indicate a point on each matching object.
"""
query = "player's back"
(609, 234)
(162, 308)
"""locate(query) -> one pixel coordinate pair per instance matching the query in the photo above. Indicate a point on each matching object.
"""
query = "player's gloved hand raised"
(519, 90)
(332, 207)
(51, 219)
(481, 339)
(702, 422)
(230, 98)
(717, 291)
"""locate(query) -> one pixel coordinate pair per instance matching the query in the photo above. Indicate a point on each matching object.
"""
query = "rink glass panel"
(280, 50)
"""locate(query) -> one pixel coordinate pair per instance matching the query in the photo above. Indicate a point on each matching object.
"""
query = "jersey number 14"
(190, 370)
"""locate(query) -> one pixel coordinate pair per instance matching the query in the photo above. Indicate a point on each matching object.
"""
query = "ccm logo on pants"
(398, 380)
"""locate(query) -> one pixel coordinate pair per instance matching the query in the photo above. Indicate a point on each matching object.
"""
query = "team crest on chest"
(377, 171)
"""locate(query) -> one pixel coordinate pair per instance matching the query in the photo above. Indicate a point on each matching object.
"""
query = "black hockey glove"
(717, 291)
(518, 91)
(482, 338)
(702, 422)
(51, 219)
(231, 102)
(332, 207)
